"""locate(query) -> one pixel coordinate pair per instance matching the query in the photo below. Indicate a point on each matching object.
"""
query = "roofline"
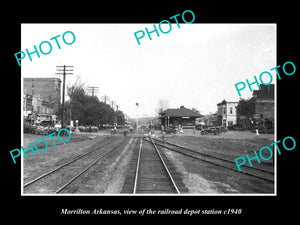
(53, 78)
(200, 115)
(221, 103)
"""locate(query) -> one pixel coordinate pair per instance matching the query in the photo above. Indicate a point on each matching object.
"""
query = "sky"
(196, 65)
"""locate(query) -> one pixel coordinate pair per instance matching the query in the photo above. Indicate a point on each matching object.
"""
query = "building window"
(230, 110)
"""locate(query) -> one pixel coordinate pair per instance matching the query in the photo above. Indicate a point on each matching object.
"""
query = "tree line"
(88, 110)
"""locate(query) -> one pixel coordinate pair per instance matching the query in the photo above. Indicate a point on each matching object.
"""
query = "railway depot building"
(181, 116)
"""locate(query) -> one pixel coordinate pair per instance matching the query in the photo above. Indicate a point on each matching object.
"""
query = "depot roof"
(180, 112)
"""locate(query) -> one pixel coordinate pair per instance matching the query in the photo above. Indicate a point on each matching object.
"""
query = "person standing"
(163, 132)
(125, 131)
(180, 129)
(256, 128)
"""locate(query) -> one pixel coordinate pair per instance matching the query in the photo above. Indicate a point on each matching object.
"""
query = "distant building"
(41, 99)
(27, 103)
(209, 120)
(37, 109)
(227, 113)
(264, 102)
(180, 116)
(49, 89)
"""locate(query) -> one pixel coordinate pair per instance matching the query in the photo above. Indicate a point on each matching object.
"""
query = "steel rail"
(86, 169)
(67, 163)
(200, 153)
(137, 168)
(214, 163)
(166, 168)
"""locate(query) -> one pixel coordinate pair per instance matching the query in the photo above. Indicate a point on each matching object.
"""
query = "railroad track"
(224, 163)
(151, 173)
(60, 178)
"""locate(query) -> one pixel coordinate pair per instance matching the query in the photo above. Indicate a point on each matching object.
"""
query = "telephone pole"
(105, 98)
(118, 106)
(137, 115)
(62, 70)
(94, 90)
(112, 104)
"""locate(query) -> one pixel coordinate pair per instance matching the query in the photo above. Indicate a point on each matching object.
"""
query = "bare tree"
(162, 105)
(196, 110)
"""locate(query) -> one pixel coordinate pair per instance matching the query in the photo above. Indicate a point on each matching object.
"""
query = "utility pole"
(94, 90)
(105, 98)
(117, 114)
(137, 115)
(64, 73)
(112, 104)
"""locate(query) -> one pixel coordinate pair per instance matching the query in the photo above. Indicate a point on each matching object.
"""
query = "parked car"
(57, 127)
(70, 127)
(88, 128)
(262, 129)
(214, 130)
(233, 127)
(198, 127)
(46, 123)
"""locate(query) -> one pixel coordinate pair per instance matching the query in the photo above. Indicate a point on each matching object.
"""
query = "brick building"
(41, 99)
(48, 89)
(264, 102)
